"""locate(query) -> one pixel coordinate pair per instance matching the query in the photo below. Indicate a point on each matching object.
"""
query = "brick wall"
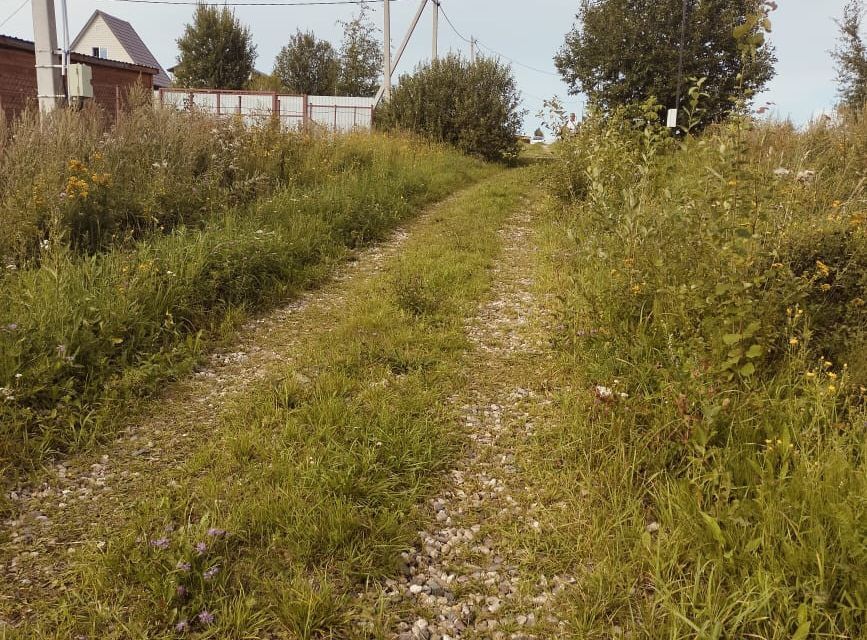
(18, 82)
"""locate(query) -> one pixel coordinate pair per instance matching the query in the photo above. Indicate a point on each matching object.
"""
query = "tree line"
(216, 51)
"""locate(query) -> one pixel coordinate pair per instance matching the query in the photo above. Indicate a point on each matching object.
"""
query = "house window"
(99, 52)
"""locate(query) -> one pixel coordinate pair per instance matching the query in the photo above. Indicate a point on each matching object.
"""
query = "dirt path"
(55, 517)
(471, 574)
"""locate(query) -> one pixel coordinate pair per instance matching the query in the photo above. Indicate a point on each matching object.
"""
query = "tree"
(626, 51)
(851, 58)
(265, 82)
(474, 106)
(216, 51)
(360, 57)
(307, 65)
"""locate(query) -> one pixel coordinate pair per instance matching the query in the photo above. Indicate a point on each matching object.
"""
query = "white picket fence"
(337, 113)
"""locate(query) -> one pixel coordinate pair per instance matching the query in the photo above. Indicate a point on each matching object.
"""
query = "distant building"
(111, 80)
(107, 37)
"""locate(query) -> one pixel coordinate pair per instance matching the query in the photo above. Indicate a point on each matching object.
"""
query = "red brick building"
(111, 82)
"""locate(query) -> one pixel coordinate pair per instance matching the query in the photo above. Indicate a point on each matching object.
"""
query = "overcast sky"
(528, 32)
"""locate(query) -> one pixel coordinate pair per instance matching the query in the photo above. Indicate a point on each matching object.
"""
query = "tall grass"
(127, 248)
(719, 285)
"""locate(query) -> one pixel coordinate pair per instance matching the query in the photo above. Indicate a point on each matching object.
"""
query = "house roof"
(11, 42)
(130, 41)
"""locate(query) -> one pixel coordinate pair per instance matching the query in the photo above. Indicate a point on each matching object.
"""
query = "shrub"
(473, 106)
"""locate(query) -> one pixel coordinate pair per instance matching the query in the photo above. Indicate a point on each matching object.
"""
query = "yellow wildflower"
(76, 188)
(832, 388)
(794, 342)
(832, 375)
(836, 204)
(825, 287)
(75, 166)
(823, 268)
(810, 375)
(733, 183)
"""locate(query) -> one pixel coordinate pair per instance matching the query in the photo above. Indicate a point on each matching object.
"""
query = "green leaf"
(747, 370)
(802, 632)
(732, 338)
(755, 351)
(714, 528)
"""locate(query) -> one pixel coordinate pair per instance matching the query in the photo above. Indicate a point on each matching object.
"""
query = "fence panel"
(337, 113)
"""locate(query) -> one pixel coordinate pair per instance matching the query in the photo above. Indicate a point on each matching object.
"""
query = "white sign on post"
(672, 119)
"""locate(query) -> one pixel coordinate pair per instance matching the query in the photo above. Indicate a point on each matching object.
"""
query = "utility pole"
(472, 49)
(387, 83)
(49, 85)
(436, 27)
(386, 72)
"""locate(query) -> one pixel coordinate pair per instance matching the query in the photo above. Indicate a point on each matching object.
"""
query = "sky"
(528, 33)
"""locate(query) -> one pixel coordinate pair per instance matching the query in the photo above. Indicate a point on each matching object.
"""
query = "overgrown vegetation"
(474, 106)
(713, 316)
(125, 250)
(309, 488)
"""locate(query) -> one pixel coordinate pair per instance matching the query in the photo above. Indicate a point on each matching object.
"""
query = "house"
(107, 37)
(111, 80)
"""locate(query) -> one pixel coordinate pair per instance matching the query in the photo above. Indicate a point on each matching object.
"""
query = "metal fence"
(337, 113)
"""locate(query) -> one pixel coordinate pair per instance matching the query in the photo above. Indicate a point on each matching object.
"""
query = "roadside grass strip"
(310, 486)
(81, 336)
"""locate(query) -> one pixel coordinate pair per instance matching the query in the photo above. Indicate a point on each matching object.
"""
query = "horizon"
(804, 34)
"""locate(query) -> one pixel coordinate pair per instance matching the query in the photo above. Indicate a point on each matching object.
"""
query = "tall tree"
(216, 51)
(626, 51)
(360, 56)
(307, 65)
(851, 58)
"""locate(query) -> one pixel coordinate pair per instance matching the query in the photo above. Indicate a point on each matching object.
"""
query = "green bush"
(473, 106)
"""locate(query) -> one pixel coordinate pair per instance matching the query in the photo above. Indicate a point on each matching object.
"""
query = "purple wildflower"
(160, 543)
(211, 573)
(182, 627)
(11, 326)
(216, 533)
(206, 617)
(184, 566)
(182, 592)
(201, 548)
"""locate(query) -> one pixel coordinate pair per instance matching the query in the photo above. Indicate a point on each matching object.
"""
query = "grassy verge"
(711, 423)
(80, 333)
(309, 487)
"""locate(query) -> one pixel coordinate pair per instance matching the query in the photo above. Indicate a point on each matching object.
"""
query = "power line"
(494, 51)
(14, 13)
(305, 3)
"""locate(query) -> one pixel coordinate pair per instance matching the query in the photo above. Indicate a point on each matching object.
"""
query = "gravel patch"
(463, 578)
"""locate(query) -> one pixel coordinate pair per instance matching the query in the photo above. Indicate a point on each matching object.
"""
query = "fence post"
(239, 104)
(335, 117)
(305, 106)
(218, 104)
